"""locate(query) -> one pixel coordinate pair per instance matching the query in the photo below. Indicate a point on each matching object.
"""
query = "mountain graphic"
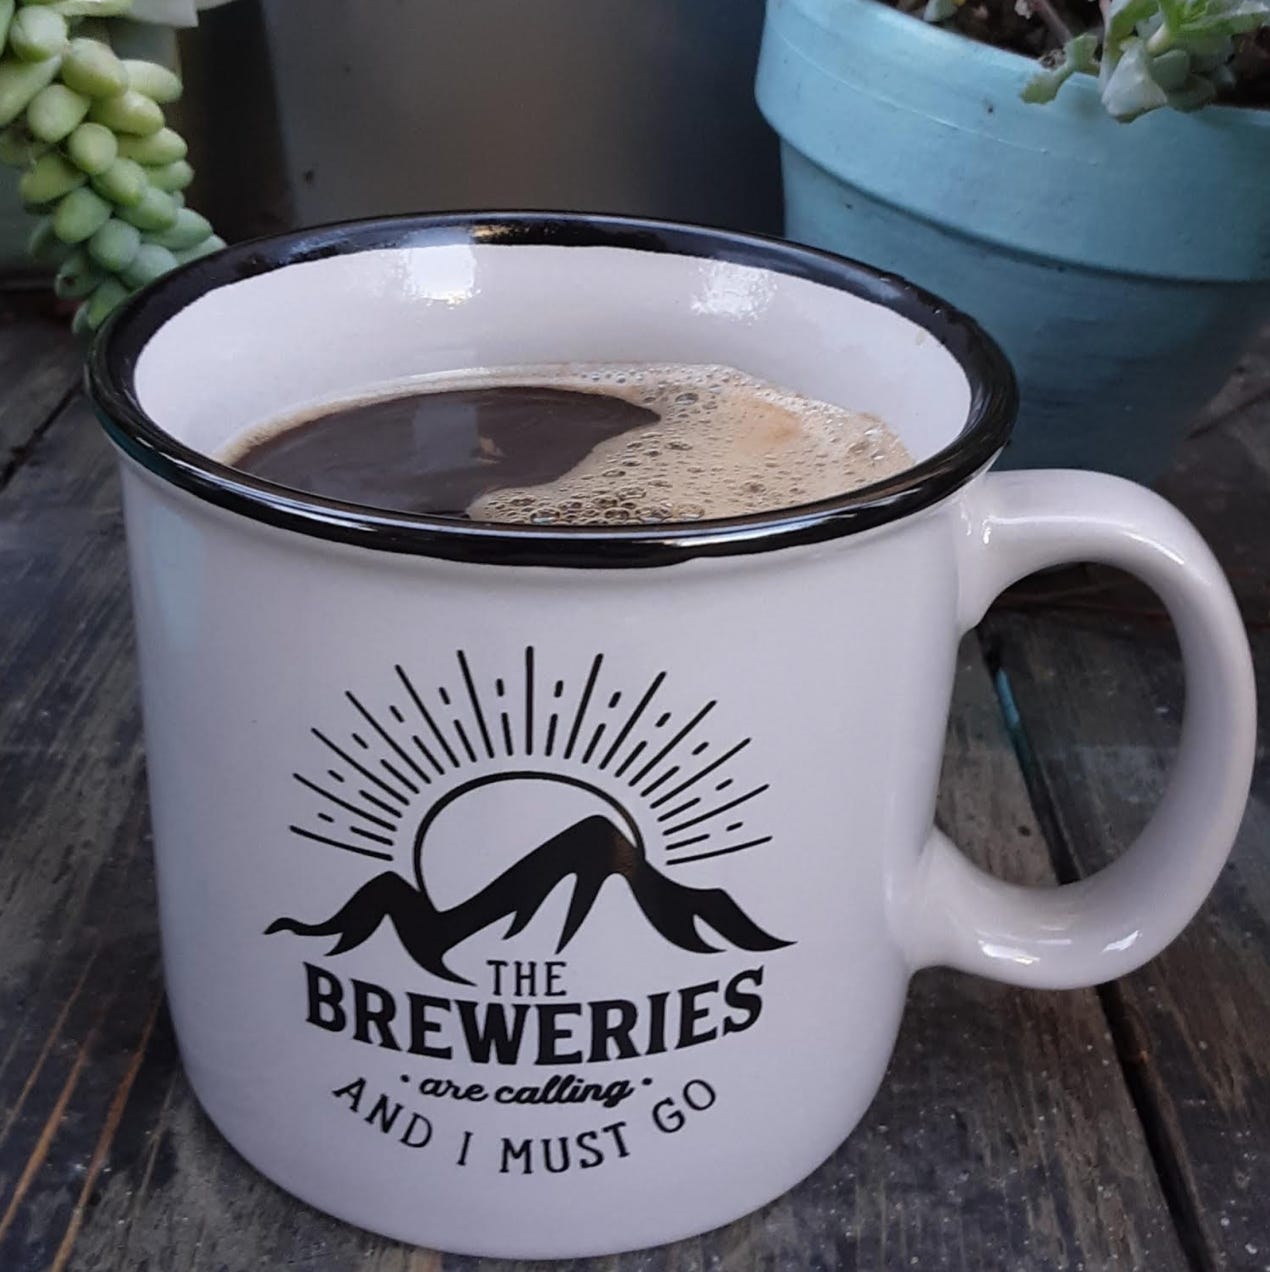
(590, 851)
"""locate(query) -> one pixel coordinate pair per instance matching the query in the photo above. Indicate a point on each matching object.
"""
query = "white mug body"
(527, 893)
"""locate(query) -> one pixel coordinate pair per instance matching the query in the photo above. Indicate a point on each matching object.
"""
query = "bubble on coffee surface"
(726, 444)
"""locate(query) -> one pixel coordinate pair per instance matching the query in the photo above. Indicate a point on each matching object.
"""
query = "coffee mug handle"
(1102, 927)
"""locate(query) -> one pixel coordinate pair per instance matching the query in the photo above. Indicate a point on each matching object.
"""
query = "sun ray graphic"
(410, 742)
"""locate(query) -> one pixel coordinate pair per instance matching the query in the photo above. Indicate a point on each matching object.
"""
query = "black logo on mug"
(567, 763)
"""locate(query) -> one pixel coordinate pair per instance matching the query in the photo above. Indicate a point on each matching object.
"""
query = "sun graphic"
(658, 771)
(493, 790)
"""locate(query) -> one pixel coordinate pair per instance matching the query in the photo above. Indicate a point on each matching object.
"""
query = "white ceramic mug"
(530, 891)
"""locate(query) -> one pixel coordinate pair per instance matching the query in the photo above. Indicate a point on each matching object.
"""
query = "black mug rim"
(113, 358)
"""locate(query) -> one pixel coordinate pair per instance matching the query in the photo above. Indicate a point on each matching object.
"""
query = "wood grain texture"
(40, 363)
(1100, 711)
(77, 953)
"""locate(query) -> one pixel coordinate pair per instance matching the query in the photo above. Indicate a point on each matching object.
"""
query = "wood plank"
(1100, 706)
(1004, 1136)
(40, 363)
(77, 955)
(1097, 683)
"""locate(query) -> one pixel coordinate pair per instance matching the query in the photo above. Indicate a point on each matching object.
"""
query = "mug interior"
(325, 329)
(276, 327)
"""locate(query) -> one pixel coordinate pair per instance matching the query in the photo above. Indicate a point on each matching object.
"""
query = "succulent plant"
(99, 165)
(1148, 53)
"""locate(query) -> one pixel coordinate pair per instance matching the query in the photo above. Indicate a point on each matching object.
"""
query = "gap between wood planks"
(1181, 1205)
(22, 452)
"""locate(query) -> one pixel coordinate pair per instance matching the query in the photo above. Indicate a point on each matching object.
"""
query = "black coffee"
(437, 452)
(578, 445)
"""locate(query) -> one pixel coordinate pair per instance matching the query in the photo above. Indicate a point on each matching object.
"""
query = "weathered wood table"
(1127, 1127)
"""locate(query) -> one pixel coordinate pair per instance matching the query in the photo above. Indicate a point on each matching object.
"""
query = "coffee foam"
(726, 445)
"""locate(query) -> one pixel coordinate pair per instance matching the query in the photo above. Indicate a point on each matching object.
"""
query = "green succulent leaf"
(1220, 17)
(1080, 56)
(86, 131)
(1171, 70)
(1205, 27)
(1155, 53)
(1044, 85)
(1082, 53)
(1129, 90)
(1197, 91)
(939, 10)
(1122, 19)
(1209, 52)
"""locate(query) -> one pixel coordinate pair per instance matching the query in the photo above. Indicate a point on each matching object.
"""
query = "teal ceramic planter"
(1123, 267)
